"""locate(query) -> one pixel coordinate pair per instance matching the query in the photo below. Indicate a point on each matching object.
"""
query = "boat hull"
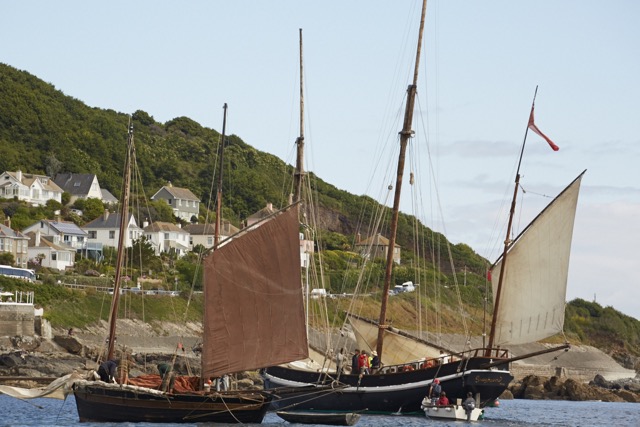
(101, 402)
(327, 418)
(388, 392)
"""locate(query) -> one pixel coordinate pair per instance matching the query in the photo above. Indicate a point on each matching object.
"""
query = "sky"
(480, 67)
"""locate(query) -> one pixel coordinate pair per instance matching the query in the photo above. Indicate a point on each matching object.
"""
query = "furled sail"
(399, 348)
(535, 280)
(254, 314)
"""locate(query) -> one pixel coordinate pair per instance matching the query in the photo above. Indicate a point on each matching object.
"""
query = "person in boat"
(469, 404)
(375, 362)
(108, 371)
(354, 362)
(167, 376)
(443, 400)
(363, 363)
(340, 359)
(434, 391)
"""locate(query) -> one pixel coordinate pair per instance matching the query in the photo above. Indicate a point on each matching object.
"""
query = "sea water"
(51, 412)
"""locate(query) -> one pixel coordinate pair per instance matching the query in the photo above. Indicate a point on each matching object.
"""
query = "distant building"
(167, 237)
(50, 252)
(263, 213)
(204, 234)
(34, 189)
(105, 231)
(184, 203)
(377, 247)
(79, 185)
(64, 233)
(15, 243)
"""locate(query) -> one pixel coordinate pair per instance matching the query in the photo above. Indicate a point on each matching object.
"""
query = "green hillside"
(44, 131)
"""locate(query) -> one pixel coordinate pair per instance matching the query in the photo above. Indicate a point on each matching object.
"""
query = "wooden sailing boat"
(254, 317)
(400, 386)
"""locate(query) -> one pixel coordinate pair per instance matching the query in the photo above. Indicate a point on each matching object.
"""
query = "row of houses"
(55, 243)
(37, 190)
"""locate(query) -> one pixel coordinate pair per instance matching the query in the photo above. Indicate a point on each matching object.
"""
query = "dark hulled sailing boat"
(254, 317)
(400, 386)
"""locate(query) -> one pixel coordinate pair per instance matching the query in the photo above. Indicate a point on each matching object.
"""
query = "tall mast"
(216, 237)
(300, 140)
(507, 240)
(405, 134)
(124, 214)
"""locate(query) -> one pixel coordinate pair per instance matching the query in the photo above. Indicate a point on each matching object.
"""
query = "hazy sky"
(481, 64)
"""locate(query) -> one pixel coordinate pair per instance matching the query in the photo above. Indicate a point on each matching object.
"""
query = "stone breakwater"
(556, 388)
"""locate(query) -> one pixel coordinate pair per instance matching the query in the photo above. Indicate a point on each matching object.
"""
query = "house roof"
(112, 220)
(77, 184)
(160, 226)
(64, 227)
(178, 193)
(107, 196)
(263, 213)
(9, 232)
(227, 229)
(28, 179)
(377, 240)
(45, 242)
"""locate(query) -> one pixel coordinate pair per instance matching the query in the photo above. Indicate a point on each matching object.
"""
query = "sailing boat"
(400, 386)
(253, 317)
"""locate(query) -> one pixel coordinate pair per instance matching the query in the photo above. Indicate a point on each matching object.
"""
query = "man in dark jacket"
(107, 371)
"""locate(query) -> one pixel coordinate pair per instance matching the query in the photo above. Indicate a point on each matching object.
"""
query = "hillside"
(44, 131)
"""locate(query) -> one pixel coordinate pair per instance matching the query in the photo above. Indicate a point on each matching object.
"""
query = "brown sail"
(254, 314)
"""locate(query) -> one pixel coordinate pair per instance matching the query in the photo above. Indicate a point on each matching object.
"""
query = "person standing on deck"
(354, 362)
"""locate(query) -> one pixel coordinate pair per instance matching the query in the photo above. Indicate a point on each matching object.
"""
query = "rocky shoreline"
(30, 362)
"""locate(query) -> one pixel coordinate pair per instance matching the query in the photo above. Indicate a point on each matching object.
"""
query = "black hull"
(389, 392)
(108, 403)
(327, 418)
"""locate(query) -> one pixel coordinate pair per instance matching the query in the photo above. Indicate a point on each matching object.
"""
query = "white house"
(105, 231)
(49, 251)
(167, 237)
(184, 203)
(201, 234)
(33, 189)
(68, 234)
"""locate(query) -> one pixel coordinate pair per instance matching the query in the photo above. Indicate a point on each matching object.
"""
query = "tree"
(93, 208)
(7, 258)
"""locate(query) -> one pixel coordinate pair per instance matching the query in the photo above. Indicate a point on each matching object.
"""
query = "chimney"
(37, 238)
(169, 184)
(105, 215)
(8, 222)
(290, 198)
(145, 223)
(270, 206)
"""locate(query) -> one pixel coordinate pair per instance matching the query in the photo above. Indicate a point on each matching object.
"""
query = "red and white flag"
(534, 128)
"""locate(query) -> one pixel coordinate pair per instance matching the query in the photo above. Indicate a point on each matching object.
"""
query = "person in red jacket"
(443, 401)
(363, 362)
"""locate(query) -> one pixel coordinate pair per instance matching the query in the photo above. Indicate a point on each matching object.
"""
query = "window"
(112, 234)
(166, 236)
(209, 241)
(93, 234)
(54, 256)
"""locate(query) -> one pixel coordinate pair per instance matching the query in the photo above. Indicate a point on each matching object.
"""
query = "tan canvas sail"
(398, 348)
(535, 281)
(254, 315)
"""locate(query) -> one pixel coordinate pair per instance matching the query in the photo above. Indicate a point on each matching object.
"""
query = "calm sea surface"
(49, 412)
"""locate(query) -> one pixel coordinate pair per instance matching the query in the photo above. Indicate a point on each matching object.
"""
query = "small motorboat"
(456, 412)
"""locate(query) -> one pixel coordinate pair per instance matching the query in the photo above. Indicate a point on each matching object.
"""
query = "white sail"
(534, 288)
(398, 348)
